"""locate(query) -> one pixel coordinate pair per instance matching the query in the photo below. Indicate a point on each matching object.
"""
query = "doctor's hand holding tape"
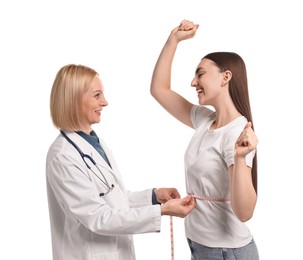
(92, 214)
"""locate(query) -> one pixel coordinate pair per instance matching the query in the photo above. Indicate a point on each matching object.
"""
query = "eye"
(97, 96)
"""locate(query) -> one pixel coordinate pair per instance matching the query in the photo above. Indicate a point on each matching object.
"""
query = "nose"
(194, 82)
(103, 102)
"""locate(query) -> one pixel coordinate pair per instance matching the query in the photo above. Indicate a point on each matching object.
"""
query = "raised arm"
(160, 89)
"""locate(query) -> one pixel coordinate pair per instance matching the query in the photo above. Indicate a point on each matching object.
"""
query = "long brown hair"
(238, 90)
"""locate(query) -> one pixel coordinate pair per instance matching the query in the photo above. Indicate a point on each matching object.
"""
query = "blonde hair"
(71, 82)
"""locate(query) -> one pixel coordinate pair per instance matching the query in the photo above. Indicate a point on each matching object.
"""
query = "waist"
(208, 198)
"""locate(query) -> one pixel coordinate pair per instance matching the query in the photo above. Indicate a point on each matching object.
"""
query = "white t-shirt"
(212, 223)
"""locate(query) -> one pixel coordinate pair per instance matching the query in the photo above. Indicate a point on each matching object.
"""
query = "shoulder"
(200, 114)
(61, 149)
(234, 129)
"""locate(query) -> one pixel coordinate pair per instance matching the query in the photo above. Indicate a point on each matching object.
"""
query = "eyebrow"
(97, 90)
(198, 69)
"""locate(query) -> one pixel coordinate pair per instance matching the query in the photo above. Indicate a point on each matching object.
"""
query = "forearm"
(161, 77)
(140, 198)
(242, 192)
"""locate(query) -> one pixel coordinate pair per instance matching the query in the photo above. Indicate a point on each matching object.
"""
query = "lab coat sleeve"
(79, 199)
(140, 198)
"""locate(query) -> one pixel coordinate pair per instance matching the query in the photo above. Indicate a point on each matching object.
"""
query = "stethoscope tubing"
(83, 156)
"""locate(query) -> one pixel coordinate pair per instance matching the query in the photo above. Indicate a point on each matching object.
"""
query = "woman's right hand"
(160, 87)
(185, 30)
(178, 207)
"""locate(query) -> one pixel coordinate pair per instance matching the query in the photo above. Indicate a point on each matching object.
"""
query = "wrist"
(172, 40)
(239, 158)
(164, 210)
(154, 197)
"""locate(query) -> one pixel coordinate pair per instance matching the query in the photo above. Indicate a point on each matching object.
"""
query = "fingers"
(247, 136)
(187, 25)
(186, 30)
(179, 207)
(248, 125)
(175, 194)
(189, 202)
(247, 141)
(165, 194)
(187, 199)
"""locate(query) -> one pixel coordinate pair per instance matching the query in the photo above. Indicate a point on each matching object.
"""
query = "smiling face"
(208, 81)
(93, 101)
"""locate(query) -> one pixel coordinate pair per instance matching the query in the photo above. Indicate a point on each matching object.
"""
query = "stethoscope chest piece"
(101, 194)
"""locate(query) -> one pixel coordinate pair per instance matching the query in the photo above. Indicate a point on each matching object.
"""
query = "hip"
(247, 252)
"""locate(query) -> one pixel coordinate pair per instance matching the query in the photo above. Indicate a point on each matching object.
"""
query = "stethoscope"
(84, 156)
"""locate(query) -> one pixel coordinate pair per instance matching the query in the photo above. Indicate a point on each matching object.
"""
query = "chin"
(97, 121)
(201, 103)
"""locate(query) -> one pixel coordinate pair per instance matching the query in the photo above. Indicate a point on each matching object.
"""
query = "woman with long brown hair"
(220, 161)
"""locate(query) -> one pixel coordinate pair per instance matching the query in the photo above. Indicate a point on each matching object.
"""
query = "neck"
(225, 113)
(86, 130)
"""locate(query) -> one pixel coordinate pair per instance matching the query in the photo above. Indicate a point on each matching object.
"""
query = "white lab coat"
(85, 225)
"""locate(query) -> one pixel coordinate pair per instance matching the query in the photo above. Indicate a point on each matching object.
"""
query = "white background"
(122, 40)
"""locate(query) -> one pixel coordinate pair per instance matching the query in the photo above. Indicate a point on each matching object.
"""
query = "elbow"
(153, 91)
(244, 210)
(243, 214)
(156, 93)
(244, 217)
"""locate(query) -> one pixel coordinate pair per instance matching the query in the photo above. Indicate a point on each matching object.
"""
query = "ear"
(227, 75)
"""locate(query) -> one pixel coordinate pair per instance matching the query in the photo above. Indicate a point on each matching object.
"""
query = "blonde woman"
(92, 214)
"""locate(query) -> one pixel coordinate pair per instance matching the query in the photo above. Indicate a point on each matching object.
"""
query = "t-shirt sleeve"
(229, 148)
(200, 114)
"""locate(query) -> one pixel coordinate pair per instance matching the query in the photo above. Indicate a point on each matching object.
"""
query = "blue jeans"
(200, 252)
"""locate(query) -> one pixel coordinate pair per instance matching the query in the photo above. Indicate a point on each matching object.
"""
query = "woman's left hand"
(246, 142)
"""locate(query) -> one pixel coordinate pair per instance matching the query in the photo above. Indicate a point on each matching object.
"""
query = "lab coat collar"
(87, 148)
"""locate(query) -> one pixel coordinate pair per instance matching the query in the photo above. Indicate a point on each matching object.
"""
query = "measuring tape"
(171, 221)
(172, 238)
